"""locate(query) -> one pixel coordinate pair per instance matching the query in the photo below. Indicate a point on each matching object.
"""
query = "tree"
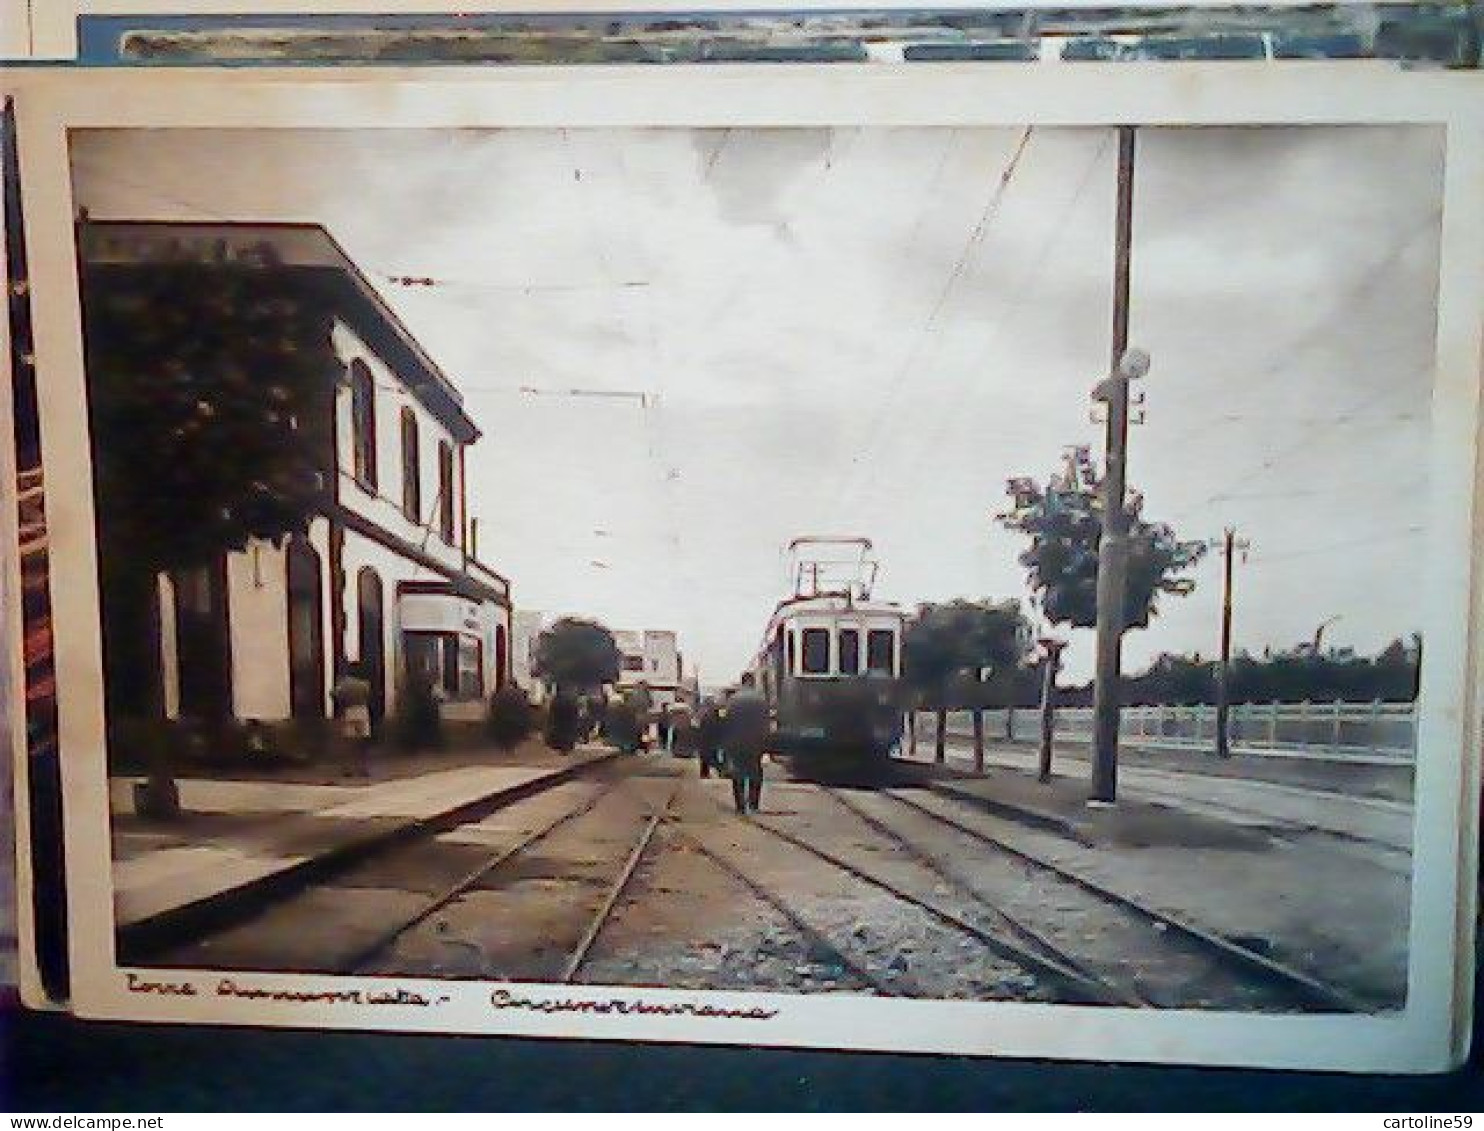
(575, 654)
(210, 391)
(1064, 522)
(946, 642)
(1293, 675)
(210, 396)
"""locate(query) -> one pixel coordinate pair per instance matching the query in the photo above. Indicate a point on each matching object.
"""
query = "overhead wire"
(1308, 440)
(862, 468)
(1347, 544)
(952, 412)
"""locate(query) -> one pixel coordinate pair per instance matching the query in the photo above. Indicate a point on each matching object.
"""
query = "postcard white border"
(1430, 1035)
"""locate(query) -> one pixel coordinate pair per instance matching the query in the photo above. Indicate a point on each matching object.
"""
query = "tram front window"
(880, 649)
(816, 651)
(850, 651)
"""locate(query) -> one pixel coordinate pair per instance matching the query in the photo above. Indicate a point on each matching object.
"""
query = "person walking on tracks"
(708, 737)
(744, 737)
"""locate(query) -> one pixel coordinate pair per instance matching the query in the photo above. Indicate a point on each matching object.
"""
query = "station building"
(386, 576)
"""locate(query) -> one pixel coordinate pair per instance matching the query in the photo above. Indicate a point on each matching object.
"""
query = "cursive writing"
(229, 987)
(138, 985)
(504, 999)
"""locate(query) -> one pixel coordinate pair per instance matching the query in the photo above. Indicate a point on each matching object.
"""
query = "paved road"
(1386, 824)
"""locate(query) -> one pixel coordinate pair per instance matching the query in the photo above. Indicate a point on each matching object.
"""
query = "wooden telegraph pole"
(1051, 658)
(1229, 546)
(1113, 544)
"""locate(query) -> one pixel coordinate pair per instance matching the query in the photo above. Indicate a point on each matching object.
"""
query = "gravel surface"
(718, 901)
(1335, 915)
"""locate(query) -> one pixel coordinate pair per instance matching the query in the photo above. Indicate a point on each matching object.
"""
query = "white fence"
(1355, 730)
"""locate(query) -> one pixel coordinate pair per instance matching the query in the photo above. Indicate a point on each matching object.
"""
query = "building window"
(203, 642)
(471, 668)
(305, 631)
(412, 480)
(633, 663)
(445, 491)
(880, 651)
(850, 651)
(449, 661)
(502, 661)
(363, 425)
(816, 651)
(371, 632)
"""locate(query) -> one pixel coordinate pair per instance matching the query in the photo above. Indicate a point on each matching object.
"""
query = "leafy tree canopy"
(210, 393)
(575, 653)
(944, 641)
(1293, 675)
(1064, 521)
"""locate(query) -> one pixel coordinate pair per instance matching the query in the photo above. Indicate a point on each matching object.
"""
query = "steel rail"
(1305, 986)
(1029, 934)
(387, 938)
(815, 937)
(615, 890)
(1093, 991)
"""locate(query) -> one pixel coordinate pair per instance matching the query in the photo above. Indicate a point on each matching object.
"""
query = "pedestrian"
(685, 734)
(351, 698)
(708, 737)
(745, 735)
(676, 719)
(563, 722)
(624, 726)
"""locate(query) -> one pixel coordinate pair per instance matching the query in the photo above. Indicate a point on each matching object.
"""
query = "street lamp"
(1134, 364)
(1319, 632)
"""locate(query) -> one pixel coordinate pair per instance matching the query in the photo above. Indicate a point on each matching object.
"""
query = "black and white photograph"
(678, 557)
(973, 586)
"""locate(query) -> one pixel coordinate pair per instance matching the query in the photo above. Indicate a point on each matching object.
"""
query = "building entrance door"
(203, 643)
(371, 631)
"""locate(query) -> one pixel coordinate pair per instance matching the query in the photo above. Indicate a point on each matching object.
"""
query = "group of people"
(727, 736)
(730, 737)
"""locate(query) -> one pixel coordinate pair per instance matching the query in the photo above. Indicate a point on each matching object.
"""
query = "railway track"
(817, 939)
(593, 922)
(600, 917)
(537, 895)
(365, 956)
(151, 939)
(229, 942)
(1037, 957)
(1286, 983)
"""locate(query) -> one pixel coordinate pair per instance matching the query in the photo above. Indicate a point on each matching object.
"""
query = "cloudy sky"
(855, 331)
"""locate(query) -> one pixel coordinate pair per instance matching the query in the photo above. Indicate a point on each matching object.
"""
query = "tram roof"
(834, 603)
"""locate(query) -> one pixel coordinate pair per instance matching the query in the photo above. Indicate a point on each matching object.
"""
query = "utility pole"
(1112, 546)
(1229, 545)
(1051, 657)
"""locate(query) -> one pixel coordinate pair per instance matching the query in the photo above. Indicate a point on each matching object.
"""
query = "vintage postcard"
(947, 560)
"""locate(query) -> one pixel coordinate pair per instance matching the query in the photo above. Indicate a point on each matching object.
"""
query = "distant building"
(652, 657)
(386, 576)
(527, 625)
